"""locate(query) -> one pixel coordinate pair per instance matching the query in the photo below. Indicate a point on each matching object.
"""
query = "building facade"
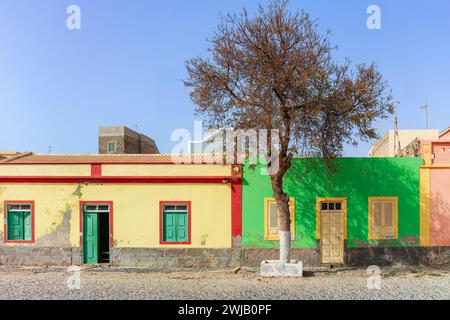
(166, 211)
(392, 143)
(435, 186)
(128, 210)
(352, 211)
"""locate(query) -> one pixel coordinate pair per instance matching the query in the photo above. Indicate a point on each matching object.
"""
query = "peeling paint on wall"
(60, 236)
(413, 240)
(237, 242)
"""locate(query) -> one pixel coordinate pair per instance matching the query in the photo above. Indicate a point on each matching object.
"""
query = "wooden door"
(332, 237)
(90, 238)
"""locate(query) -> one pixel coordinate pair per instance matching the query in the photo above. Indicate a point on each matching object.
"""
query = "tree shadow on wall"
(357, 179)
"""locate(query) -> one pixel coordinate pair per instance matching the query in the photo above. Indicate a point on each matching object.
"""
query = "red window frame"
(161, 217)
(5, 221)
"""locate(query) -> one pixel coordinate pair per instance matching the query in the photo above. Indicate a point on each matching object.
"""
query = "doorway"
(96, 233)
(332, 232)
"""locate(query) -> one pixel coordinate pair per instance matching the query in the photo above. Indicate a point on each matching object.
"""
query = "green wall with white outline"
(357, 179)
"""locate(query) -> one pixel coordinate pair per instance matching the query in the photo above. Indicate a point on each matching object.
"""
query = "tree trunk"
(284, 219)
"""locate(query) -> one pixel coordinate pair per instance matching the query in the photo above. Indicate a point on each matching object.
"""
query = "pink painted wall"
(445, 136)
(441, 151)
(440, 207)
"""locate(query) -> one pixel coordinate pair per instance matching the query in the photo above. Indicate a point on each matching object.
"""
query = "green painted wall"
(354, 178)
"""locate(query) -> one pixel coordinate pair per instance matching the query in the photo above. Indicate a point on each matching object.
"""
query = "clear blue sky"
(125, 64)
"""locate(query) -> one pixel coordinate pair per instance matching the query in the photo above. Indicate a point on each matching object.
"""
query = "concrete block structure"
(123, 140)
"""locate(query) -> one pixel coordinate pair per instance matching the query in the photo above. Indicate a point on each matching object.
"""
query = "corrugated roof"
(30, 158)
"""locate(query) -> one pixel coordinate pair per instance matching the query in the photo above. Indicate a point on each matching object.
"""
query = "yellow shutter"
(273, 219)
(383, 218)
(377, 220)
(388, 225)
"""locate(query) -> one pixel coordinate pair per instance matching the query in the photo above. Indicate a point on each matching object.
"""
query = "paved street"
(42, 283)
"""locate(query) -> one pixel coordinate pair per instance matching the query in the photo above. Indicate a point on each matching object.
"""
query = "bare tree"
(275, 70)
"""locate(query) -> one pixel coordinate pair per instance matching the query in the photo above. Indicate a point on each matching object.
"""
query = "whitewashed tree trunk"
(285, 246)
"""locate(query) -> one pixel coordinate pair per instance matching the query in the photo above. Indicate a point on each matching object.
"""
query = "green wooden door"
(27, 225)
(90, 237)
(175, 226)
(182, 227)
(170, 229)
(15, 225)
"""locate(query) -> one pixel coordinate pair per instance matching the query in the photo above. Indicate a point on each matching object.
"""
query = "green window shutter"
(27, 225)
(15, 225)
(182, 227)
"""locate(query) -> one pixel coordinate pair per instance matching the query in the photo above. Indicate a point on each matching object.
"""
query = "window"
(383, 218)
(112, 147)
(271, 219)
(331, 206)
(19, 219)
(96, 208)
(175, 223)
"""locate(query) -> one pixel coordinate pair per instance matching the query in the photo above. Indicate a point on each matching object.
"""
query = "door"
(90, 237)
(27, 225)
(170, 227)
(175, 227)
(332, 237)
(182, 227)
(175, 223)
(15, 225)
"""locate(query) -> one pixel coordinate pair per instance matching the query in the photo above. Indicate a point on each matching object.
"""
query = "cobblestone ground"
(46, 283)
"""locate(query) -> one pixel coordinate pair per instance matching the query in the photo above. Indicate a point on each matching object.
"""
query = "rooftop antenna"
(426, 107)
(396, 135)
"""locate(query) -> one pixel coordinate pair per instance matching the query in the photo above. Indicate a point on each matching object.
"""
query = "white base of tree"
(285, 246)
(271, 268)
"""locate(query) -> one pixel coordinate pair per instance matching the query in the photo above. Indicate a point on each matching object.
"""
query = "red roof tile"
(30, 158)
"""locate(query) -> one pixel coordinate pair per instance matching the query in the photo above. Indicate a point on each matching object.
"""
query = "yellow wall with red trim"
(137, 170)
(72, 170)
(135, 206)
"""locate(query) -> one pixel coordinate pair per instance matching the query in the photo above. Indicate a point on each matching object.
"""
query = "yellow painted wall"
(116, 170)
(46, 170)
(165, 170)
(136, 211)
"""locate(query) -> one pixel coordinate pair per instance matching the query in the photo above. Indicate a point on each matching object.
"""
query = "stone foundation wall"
(252, 257)
(409, 256)
(176, 258)
(39, 256)
(221, 258)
